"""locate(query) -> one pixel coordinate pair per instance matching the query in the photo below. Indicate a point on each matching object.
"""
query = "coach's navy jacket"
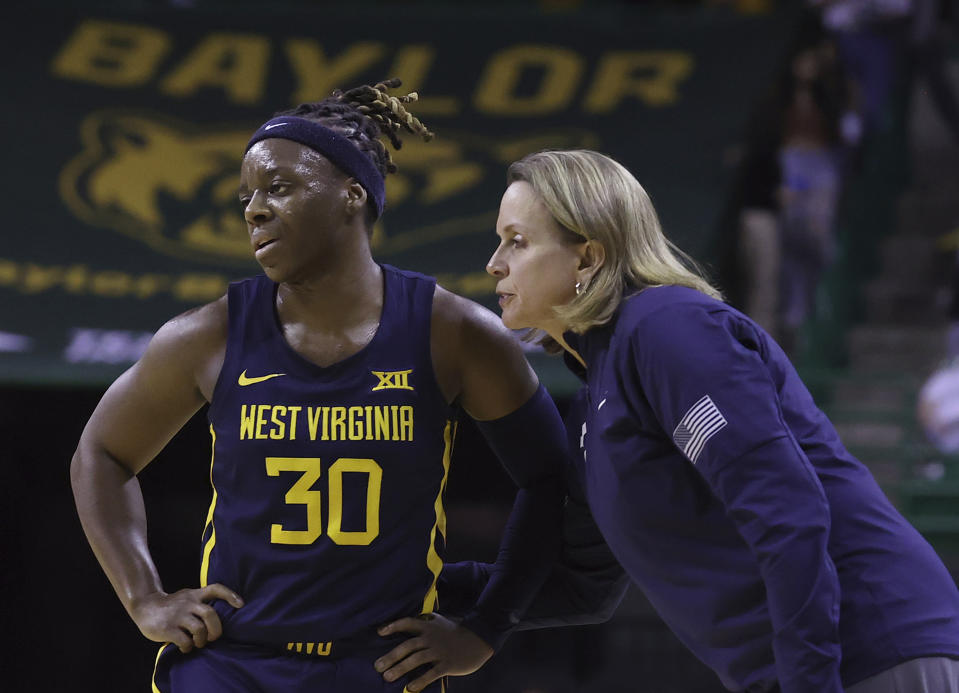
(728, 498)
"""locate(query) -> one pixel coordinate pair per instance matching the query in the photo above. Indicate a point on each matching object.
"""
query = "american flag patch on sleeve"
(698, 425)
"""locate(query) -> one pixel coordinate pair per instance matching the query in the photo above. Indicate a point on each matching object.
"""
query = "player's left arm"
(584, 587)
(480, 364)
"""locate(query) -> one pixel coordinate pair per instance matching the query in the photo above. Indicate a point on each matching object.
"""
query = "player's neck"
(351, 293)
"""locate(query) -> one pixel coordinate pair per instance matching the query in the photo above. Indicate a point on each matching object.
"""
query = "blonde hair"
(597, 198)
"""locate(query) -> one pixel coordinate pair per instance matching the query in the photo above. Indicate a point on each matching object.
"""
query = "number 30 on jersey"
(302, 493)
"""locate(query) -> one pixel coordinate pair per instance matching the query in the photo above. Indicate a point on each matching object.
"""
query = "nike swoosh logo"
(243, 381)
(275, 125)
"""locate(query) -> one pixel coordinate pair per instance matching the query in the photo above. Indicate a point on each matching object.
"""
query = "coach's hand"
(184, 618)
(450, 648)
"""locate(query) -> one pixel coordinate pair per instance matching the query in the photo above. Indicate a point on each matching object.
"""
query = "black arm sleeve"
(585, 586)
(531, 444)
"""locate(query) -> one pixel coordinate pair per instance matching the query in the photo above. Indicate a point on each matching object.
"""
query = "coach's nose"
(496, 267)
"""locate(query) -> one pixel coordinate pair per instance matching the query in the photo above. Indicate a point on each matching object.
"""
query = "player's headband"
(333, 146)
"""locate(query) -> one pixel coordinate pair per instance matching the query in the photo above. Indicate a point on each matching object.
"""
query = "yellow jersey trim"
(442, 686)
(208, 547)
(156, 663)
(433, 560)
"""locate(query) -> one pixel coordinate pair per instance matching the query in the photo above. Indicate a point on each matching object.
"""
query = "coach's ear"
(592, 257)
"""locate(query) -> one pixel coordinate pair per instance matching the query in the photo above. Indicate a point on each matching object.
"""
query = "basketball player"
(332, 383)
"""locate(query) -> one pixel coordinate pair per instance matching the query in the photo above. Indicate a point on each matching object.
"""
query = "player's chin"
(274, 272)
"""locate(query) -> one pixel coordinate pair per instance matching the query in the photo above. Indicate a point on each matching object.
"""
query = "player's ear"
(355, 198)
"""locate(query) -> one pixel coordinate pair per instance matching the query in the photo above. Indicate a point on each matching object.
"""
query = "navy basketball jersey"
(327, 514)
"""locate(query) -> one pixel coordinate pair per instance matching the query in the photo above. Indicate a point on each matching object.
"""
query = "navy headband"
(334, 146)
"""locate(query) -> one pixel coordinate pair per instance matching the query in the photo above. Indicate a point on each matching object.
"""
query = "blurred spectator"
(869, 36)
(927, 44)
(840, 99)
(810, 174)
(952, 336)
(759, 237)
(938, 401)
(938, 408)
(791, 180)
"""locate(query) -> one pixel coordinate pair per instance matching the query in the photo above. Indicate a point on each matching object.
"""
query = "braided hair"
(364, 113)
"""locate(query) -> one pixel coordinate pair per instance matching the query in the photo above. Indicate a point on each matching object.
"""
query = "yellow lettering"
(396, 428)
(293, 412)
(261, 420)
(355, 426)
(300, 493)
(477, 283)
(313, 415)
(324, 648)
(149, 285)
(237, 63)
(368, 417)
(338, 424)
(247, 420)
(9, 272)
(382, 424)
(199, 287)
(111, 283)
(650, 76)
(317, 76)
(111, 54)
(392, 380)
(561, 67)
(76, 278)
(326, 421)
(278, 432)
(406, 422)
(374, 473)
(414, 63)
(39, 278)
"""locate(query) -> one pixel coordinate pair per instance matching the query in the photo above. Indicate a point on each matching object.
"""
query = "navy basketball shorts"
(226, 667)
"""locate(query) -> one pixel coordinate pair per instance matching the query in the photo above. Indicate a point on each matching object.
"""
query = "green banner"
(124, 134)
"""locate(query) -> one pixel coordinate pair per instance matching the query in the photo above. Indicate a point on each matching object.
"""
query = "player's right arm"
(137, 416)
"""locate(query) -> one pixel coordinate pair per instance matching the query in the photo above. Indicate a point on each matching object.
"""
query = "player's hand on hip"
(184, 618)
(448, 647)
